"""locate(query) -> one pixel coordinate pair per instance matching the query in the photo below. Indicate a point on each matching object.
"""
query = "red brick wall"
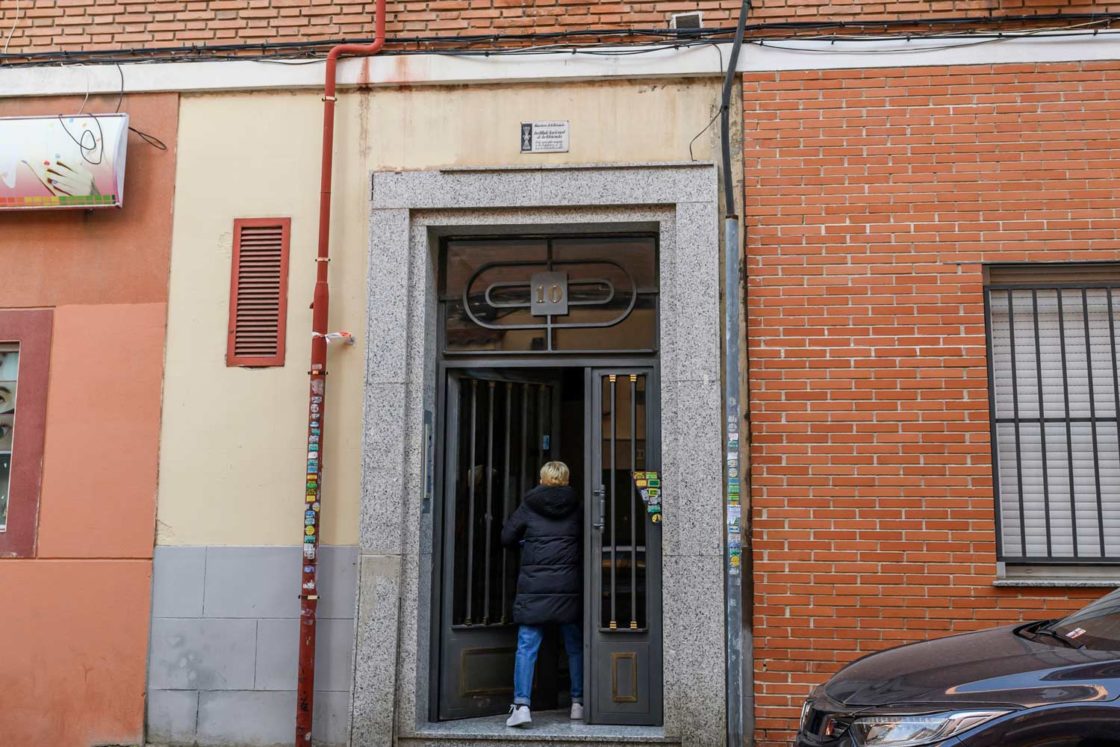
(42, 25)
(872, 198)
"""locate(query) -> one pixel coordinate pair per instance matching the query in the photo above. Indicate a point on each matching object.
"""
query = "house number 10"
(549, 293)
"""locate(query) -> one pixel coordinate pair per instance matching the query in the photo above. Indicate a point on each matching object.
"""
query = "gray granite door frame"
(409, 212)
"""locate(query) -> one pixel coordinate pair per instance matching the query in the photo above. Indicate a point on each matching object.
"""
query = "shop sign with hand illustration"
(65, 161)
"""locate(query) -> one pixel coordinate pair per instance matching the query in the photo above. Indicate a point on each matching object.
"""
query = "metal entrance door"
(499, 431)
(623, 614)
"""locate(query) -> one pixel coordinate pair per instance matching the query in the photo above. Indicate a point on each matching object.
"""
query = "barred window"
(9, 374)
(1055, 385)
(25, 347)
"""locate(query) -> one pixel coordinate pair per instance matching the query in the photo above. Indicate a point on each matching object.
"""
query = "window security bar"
(1054, 388)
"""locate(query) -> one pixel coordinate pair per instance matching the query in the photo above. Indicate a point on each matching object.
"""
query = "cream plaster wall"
(233, 440)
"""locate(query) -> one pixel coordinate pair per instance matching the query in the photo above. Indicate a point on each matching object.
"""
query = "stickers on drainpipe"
(545, 137)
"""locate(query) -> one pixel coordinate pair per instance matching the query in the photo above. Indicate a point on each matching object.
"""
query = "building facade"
(230, 529)
(913, 249)
(929, 254)
(83, 319)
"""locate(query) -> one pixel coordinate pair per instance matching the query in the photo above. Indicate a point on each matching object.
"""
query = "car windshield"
(1094, 626)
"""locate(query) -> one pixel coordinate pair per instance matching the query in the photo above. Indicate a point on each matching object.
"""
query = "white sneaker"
(577, 712)
(519, 716)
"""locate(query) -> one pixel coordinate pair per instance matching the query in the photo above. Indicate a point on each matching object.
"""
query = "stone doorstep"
(550, 728)
(527, 740)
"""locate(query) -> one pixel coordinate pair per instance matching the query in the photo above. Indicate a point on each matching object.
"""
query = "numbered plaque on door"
(550, 293)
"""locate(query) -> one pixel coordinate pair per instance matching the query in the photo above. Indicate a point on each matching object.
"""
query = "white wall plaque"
(545, 137)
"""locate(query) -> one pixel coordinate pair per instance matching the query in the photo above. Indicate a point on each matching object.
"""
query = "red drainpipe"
(309, 592)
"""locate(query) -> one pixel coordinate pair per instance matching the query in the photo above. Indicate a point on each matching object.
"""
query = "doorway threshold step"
(549, 729)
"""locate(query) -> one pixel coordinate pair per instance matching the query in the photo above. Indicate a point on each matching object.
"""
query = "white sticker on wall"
(545, 137)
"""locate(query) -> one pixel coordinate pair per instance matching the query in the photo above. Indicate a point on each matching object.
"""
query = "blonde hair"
(555, 474)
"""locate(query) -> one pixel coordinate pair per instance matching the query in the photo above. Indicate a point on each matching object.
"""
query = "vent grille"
(258, 293)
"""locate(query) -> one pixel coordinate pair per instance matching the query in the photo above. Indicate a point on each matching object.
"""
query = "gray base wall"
(223, 652)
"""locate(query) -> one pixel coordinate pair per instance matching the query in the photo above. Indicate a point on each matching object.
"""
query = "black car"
(1054, 683)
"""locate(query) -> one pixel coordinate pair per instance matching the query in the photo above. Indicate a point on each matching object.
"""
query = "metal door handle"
(601, 494)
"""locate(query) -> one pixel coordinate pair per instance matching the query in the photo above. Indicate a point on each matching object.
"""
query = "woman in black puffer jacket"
(549, 527)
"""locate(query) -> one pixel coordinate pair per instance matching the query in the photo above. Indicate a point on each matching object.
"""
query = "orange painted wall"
(102, 437)
(74, 633)
(74, 640)
(97, 256)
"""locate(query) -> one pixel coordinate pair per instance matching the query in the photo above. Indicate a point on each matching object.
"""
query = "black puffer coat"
(549, 586)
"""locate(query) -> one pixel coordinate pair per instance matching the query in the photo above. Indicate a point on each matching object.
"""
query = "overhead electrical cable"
(612, 42)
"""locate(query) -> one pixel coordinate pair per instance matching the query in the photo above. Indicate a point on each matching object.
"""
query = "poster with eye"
(9, 372)
(64, 161)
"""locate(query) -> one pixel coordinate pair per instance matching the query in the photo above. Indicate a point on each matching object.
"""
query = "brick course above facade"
(873, 198)
(83, 25)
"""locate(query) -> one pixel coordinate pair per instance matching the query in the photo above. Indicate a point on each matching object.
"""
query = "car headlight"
(910, 731)
(805, 709)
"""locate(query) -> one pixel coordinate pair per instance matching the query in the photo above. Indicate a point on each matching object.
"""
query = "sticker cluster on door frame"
(648, 484)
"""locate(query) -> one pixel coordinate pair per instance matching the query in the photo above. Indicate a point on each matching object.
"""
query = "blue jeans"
(529, 643)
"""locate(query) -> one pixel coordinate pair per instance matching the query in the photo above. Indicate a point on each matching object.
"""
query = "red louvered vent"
(258, 301)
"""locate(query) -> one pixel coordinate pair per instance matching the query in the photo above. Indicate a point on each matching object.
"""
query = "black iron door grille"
(624, 614)
(505, 436)
(499, 431)
(623, 515)
(549, 295)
